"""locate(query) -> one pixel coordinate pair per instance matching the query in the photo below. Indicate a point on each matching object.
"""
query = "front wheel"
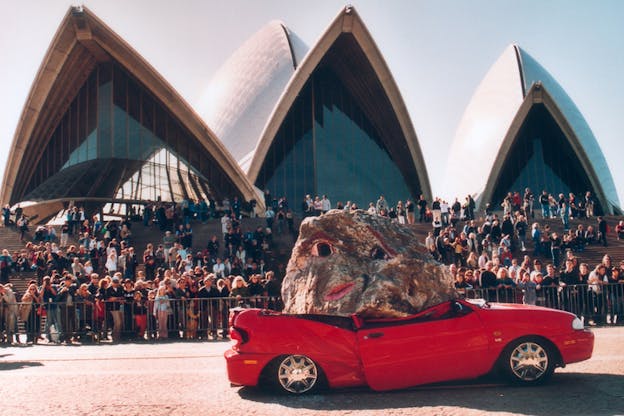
(296, 374)
(528, 361)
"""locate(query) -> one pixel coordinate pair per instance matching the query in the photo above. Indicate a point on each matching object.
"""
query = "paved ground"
(190, 379)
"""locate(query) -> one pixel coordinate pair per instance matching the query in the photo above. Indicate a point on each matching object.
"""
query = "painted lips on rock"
(340, 291)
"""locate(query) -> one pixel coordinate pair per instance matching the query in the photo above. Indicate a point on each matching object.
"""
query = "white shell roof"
(534, 72)
(241, 96)
(489, 115)
(483, 127)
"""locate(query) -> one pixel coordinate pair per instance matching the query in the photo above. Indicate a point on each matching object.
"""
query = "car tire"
(294, 374)
(528, 361)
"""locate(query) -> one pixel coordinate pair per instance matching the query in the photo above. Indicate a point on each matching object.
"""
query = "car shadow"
(565, 393)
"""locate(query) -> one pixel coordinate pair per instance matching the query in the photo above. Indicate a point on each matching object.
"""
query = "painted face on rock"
(348, 263)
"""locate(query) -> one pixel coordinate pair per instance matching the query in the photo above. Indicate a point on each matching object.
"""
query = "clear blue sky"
(437, 50)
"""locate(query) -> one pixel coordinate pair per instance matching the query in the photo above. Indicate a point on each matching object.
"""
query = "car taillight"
(239, 336)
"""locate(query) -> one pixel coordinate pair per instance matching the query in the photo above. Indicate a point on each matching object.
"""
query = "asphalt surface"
(189, 378)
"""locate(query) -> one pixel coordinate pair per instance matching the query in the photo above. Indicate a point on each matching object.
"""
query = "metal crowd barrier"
(207, 318)
(600, 304)
(93, 322)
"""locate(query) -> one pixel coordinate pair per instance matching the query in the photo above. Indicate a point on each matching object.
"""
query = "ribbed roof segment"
(244, 91)
(81, 42)
(349, 25)
(493, 113)
(533, 72)
(483, 126)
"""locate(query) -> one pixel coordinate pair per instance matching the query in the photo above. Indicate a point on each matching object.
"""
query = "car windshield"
(337, 321)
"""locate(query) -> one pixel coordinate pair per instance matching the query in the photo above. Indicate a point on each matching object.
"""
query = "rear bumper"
(576, 346)
(244, 369)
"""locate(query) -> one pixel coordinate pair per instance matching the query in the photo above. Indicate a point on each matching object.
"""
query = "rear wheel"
(295, 374)
(528, 361)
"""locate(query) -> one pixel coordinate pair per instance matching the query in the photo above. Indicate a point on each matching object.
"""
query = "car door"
(406, 353)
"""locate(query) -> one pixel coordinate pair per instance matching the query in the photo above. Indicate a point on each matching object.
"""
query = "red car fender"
(275, 335)
(506, 323)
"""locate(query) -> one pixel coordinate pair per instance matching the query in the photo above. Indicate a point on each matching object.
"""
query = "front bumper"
(244, 369)
(576, 346)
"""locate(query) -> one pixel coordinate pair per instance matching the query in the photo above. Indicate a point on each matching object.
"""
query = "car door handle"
(374, 335)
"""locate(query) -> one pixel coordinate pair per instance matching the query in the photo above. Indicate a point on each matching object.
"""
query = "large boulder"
(348, 263)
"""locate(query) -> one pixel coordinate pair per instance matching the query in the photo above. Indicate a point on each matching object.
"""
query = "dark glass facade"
(541, 158)
(327, 146)
(140, 150)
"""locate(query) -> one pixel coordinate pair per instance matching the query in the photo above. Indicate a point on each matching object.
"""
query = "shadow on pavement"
(17, 365)
(566, 393)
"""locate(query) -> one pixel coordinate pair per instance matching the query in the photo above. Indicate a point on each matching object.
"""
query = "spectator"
(187, 237)
(22, 226)
(536, 236)
(437, 226)
(325, 204)
(209, 309)
(8, 314)
(223, 285)
(111, 263)
(49, 291)
(603, 228)
(28, 313)
(66, 298)
(381, 205)
(114, 298)
(149, 259)
(422, 208)
(619, 230)
(555, 248)
(272, 289)
(528, 286)
(410, 210)
(488, 280)
(269, 215)
(162, 310)
(595, 282)
(218, 269)
(239, 289)
(589, 204)
(84, 313)
(6, 264)
(6, 215)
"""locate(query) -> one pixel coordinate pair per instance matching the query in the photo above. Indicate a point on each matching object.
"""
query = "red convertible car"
(454, 340)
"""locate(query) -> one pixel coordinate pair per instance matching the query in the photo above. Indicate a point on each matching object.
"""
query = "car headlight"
(577, 324)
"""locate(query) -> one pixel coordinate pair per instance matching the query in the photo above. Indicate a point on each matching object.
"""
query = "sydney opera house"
(525, 132)
(101, 128)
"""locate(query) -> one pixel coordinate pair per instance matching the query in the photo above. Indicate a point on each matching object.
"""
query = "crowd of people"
(93, 288)
(511, 256)
(89, 285)
(506, 259)
(172, 306)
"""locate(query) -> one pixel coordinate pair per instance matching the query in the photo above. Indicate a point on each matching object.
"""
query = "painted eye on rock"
(322, 249)
(378, 253)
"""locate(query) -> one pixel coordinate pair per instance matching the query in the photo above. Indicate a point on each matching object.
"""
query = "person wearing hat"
(66, 300)
(114, 297)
